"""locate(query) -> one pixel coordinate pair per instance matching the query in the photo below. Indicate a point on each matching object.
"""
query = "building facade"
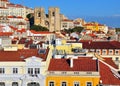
(73, 73)
(23, 67)
(9, 9)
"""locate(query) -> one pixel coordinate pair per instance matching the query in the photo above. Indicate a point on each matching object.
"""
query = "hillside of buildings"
(39, 49)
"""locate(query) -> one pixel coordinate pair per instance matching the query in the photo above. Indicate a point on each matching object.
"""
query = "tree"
(117, 29)
(38, 28)
(78, 29)
(75, 29)
(31, 19)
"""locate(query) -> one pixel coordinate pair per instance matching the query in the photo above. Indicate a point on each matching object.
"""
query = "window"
(30, 71)
(51, 72)
(76, 84)
(64, 84)
(116, 52)
(15, 84)
(15, 70)
(51, 83)
(53, 13)
(64, 72)
(103, 52)
(117, 59)
(2, 70)
(110, 51)
(2, 84)
(98, 51)
(33, 71)
(37, 70)
(76, 72)
(89, 83)
(39, 14)
(33, 84)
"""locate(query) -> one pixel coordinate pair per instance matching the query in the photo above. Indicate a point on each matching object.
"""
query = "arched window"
(15, 84)
(2, 84)
(39, 14)
(53, 13)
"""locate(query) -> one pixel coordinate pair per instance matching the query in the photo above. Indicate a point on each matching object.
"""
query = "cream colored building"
(67, 24)
(10, 9)
(24, 67)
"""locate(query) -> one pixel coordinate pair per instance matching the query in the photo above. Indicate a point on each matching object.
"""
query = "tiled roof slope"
(110, 62)
(107, 76)
(101, 45)
(22, 54)
(81, 64)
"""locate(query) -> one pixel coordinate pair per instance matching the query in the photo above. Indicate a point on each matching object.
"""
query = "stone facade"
(39, 16)
(50, 20)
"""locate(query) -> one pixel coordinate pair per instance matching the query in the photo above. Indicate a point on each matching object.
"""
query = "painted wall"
(71, 79)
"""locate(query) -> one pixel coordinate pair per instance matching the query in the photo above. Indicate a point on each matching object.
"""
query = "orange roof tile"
(25, 53)
(67, 20)
(21, 23)
(107, 76)
(81, 64)
(21, 31)
(40, 32)
(14, 28)
(6, 33)
(101, 44)
(110, 62)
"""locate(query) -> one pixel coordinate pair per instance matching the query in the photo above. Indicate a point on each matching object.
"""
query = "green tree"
(31, 19)
(38, 28)
(117, 29)
(75, 29)
(78, 29)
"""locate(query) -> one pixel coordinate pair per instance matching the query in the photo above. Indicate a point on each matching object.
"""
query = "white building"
(23, 67)
(67, 24)
(10, 9)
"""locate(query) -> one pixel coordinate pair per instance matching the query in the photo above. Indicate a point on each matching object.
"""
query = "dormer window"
(116, 52)
(98, 51)
(104, 52)
(110, 52)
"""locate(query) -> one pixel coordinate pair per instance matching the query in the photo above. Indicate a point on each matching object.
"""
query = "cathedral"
(50, 20)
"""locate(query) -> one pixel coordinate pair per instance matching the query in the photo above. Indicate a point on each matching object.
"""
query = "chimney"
(71, 62)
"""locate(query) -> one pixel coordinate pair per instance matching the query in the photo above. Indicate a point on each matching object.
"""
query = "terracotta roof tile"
(107, 76)
(81, 64)
(16, 55)
(6, 33)
(67, 20)
(40, 32)
(22, 30)
(101, 44)
(110, 62)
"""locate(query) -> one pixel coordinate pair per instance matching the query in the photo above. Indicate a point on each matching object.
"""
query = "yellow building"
(73, 72)
(62, 47)
(94, 26)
